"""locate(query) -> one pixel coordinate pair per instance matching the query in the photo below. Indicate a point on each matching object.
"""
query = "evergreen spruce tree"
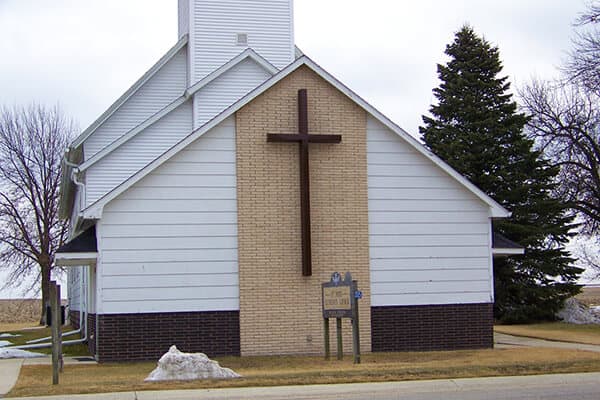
(475, 127)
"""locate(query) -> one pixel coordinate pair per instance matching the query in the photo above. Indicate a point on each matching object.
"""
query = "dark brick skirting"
(91, 323)
(432, 327)
(74, 319)
(91, 328)
(132, 337)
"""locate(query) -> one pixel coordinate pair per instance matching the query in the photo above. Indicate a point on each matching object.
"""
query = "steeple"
(221, 29)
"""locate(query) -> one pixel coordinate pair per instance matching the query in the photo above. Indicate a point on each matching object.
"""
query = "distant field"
(590, 296)
(19, 311)
(22, 311)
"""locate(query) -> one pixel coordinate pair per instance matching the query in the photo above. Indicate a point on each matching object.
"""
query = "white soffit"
(75, 259)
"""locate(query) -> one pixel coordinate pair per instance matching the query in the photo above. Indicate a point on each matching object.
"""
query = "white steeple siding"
(227, 89)
(184, 17)
(216, 26)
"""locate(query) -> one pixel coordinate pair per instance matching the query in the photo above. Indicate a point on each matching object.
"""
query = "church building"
(210, 202)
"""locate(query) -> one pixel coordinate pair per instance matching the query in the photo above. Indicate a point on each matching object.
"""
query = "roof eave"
(66, 192)
(500, 252)
(130, 92)
(248, 53)
(496, 210)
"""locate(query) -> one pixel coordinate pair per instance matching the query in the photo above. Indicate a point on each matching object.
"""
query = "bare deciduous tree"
(32, 144)
(583, 65)
(589, 257)
(565, 121)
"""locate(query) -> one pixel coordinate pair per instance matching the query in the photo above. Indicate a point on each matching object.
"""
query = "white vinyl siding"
(74, 276)
(215, 25)
(169, 243)
(164, 87)
(221, 93)
(429, 237)
(183, 17)
(136, 153)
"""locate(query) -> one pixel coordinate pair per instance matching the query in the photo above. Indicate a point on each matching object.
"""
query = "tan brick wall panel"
(280, 310)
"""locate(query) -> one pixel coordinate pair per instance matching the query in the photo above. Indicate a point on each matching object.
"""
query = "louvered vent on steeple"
(217, 29)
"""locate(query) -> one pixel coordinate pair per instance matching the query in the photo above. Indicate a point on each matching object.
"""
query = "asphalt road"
(564, 386)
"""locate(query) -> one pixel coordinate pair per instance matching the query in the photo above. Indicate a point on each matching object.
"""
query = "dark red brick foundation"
(91, 323)
(74, 319)
(432, 327)
(134, 337)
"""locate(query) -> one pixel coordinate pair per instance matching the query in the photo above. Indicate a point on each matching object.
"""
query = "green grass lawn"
(559, 331)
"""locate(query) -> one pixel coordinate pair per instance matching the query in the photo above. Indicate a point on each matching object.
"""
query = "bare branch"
(32, 144)
(565, 122)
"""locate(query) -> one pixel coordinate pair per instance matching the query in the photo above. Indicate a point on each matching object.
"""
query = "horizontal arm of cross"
(274, 137)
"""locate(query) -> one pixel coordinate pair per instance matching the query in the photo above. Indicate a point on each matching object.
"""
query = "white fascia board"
(130, 92)
(248, 53)
(507, 252)
(497, 211)
(75, 259)
(132, 133)
(94, 211)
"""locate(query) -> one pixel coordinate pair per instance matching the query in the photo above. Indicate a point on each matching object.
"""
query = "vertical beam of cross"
(303, 138)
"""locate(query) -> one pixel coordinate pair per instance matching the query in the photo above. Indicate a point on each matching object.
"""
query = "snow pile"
(4, 343)
(17, 353)
(7, 335)
(175, 365)
(576, 313)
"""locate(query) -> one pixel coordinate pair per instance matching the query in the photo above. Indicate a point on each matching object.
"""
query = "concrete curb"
(353, 390)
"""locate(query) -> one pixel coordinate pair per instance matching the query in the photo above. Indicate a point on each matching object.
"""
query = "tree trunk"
(45, 273)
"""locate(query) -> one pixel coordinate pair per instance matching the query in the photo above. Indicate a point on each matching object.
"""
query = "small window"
(242, 39)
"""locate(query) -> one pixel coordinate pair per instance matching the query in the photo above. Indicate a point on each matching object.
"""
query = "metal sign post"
(340, 300)
(357, 294)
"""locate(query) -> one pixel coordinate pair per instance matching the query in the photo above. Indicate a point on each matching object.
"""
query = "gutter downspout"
(66, 342)
(70, 333)
(74, 179)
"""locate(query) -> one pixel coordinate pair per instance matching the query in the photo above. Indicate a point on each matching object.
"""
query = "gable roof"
(248, 53)
(130, 92)
(94, 211)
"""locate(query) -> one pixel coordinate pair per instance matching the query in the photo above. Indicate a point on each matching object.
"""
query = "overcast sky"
(83, 54)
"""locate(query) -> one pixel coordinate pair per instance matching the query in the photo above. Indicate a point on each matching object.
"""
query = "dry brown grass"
(559, 331)
(272, 371)
(17, 326)
(590, 296)
(20, 311)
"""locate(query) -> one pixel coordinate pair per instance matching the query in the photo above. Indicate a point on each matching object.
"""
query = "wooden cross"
(304, 138)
